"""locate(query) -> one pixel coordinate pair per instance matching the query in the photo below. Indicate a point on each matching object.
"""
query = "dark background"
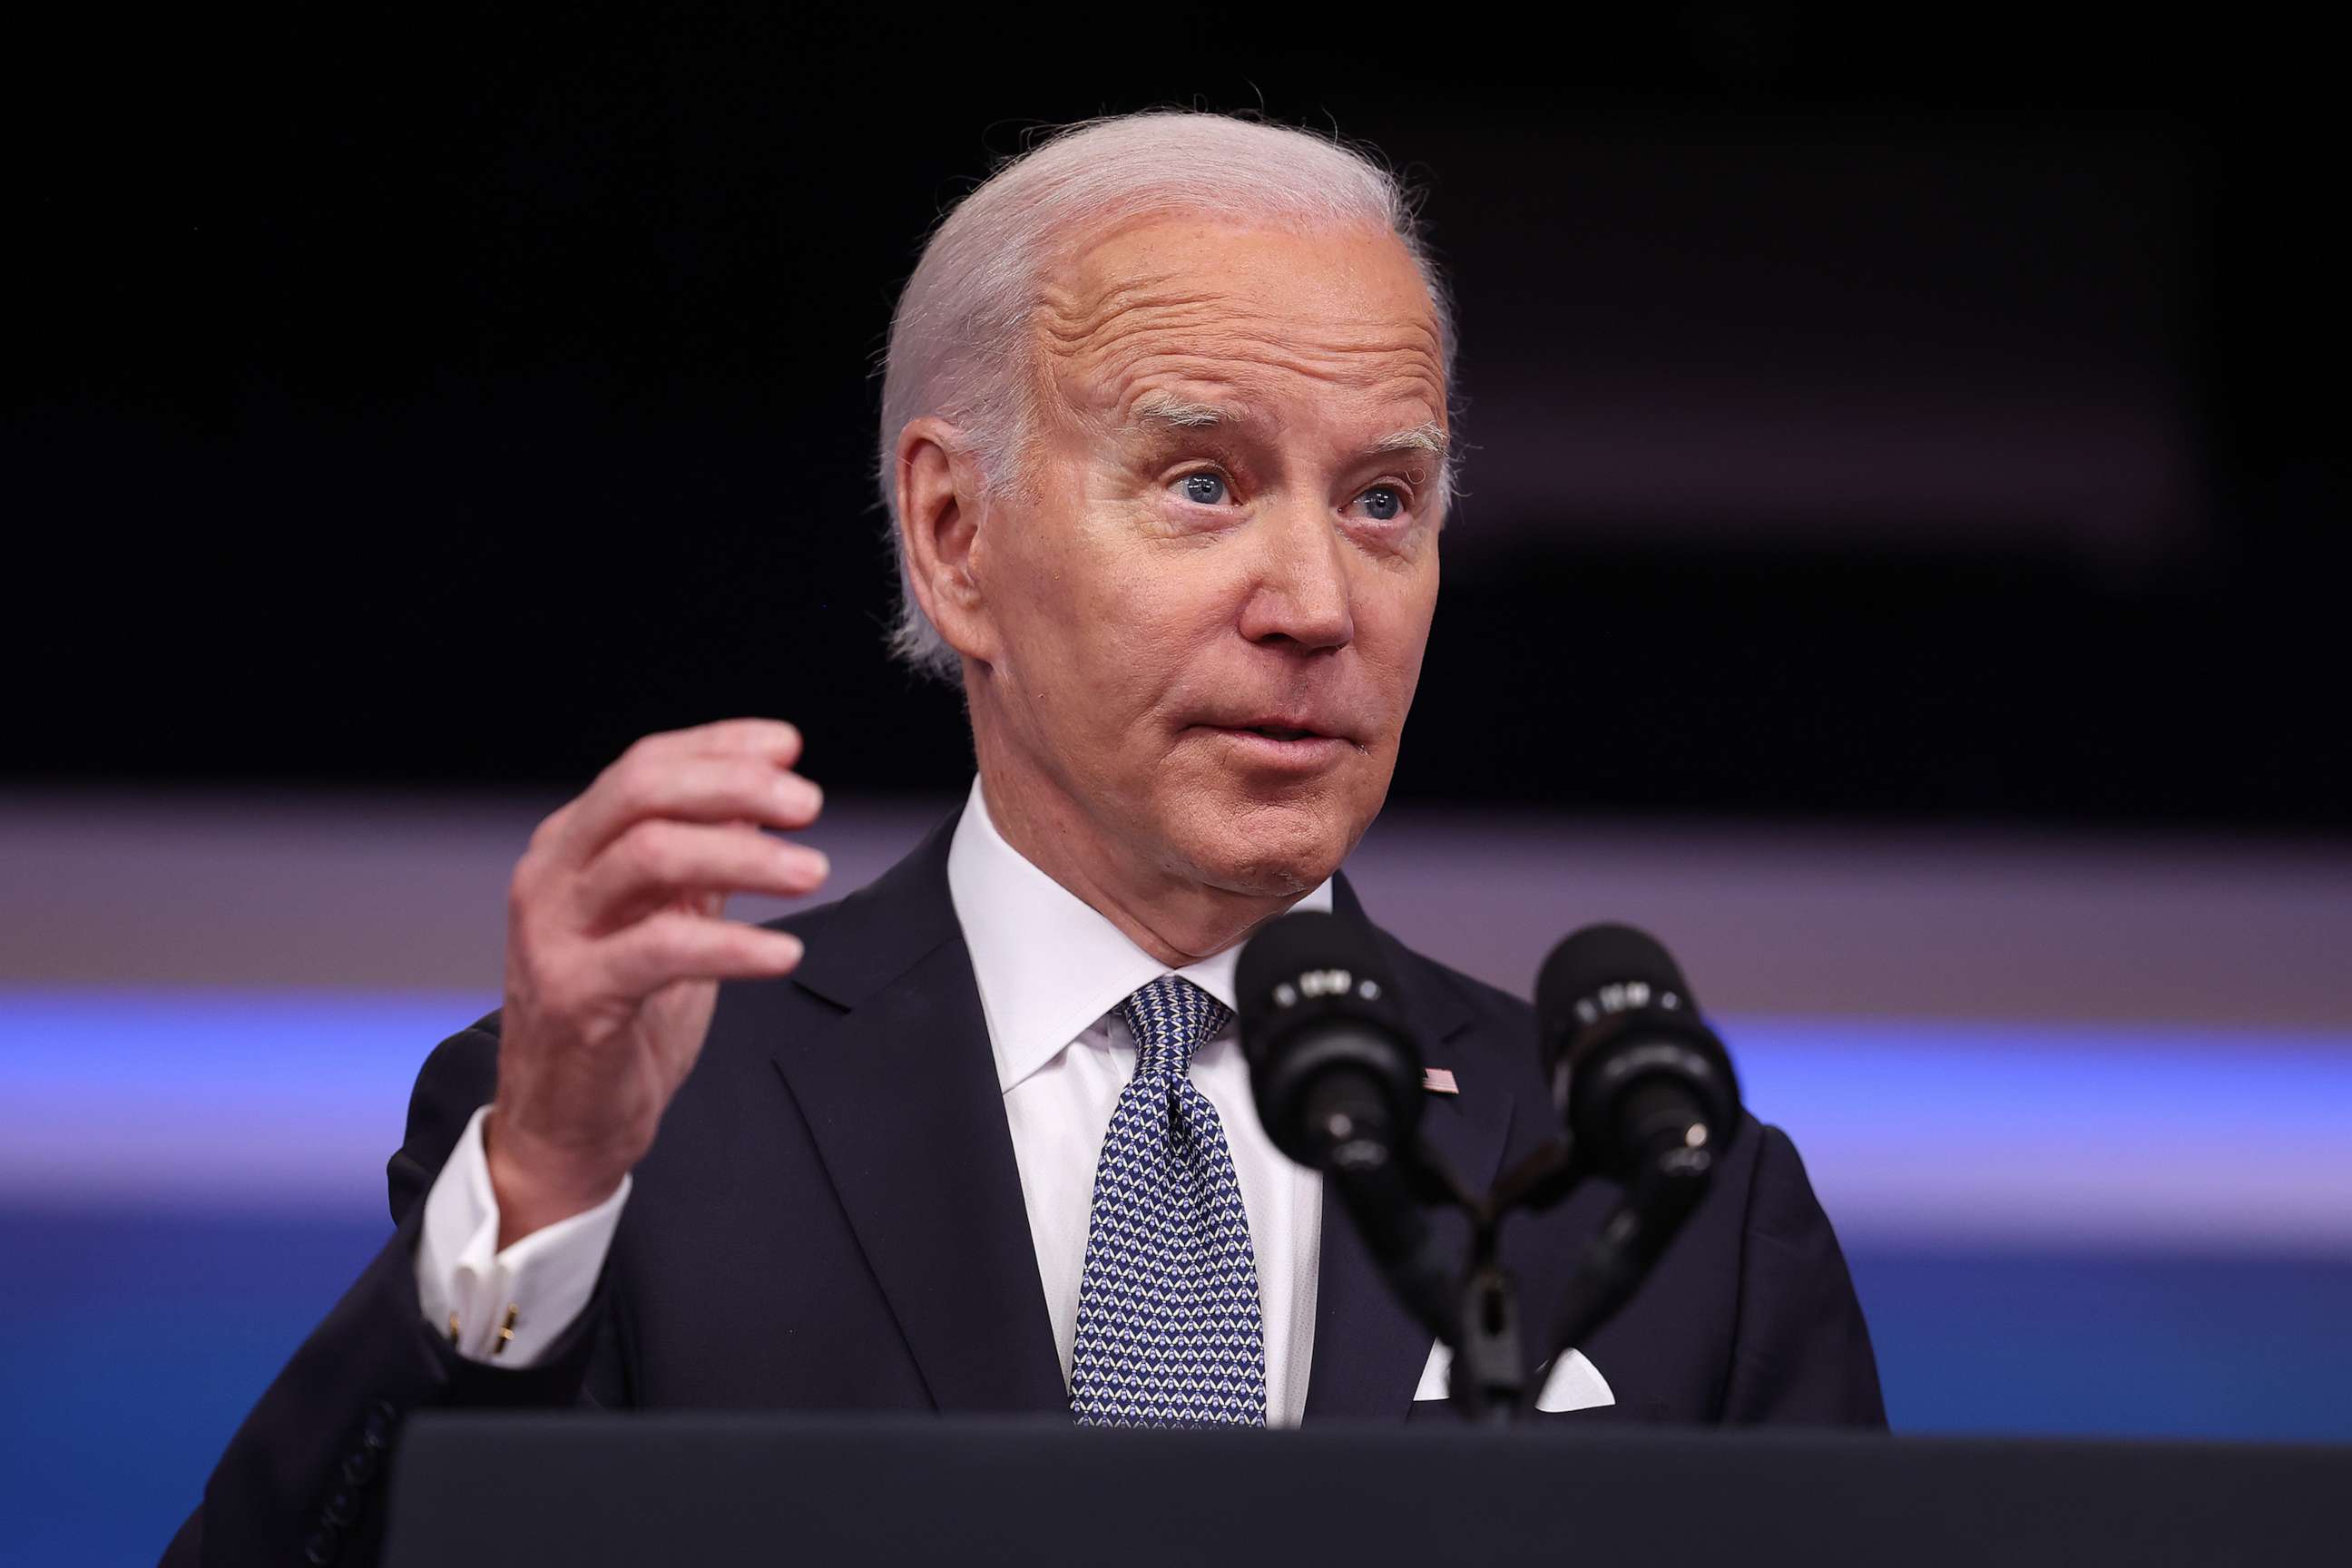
(1919, 419)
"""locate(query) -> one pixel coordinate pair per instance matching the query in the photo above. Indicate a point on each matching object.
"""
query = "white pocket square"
(1572, 1383)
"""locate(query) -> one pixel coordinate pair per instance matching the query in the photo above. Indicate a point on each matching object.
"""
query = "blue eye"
(1384, 502)
(1207, 490)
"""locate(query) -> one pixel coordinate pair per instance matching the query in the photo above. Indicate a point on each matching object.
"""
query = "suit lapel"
(1368, 1351)
(902, 1100)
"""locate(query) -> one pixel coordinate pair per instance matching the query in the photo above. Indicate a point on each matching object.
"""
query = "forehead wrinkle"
(1260, 379)
(1065, 317)
(1072, 314)
(1127, 325)
(1104, 349)
(1233, 328)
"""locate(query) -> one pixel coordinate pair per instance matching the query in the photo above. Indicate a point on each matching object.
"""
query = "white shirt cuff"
(507, 1307)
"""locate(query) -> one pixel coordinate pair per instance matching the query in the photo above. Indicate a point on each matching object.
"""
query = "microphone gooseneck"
(1647, 1094)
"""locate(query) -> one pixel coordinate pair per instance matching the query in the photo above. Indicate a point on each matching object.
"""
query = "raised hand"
(615, 945)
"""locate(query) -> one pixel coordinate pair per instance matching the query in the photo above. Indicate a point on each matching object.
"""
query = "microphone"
(1337, 1078)
(1645, 1088)
(1333, 1069)
(1649, 1098)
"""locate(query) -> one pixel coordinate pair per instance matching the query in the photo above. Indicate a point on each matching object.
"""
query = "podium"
(588, 1490)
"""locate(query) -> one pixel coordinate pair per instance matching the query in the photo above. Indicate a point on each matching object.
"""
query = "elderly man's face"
(1210, 585)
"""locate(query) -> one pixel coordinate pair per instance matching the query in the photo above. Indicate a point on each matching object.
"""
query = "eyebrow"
(1168, 411)
(1428, 436)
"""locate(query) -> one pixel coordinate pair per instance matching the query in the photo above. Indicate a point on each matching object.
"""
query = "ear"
(941, 508)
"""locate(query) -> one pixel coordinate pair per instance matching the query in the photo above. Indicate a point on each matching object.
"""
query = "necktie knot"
(1170, 1019)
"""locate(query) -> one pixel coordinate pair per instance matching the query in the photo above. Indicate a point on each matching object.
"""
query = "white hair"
(961, 341)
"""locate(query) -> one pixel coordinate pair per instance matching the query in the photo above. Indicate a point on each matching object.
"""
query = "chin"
(1269, 850)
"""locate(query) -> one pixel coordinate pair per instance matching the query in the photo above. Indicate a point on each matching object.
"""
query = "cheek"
(1158, 620)
(1100, 616)
(1392, 628)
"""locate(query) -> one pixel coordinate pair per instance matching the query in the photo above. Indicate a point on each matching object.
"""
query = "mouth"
(1279, 742)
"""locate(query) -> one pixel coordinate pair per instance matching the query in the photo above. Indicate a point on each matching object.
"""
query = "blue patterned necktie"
(1169, 1333)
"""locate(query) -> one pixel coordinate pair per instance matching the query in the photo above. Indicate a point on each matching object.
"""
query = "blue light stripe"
(1912, 1129)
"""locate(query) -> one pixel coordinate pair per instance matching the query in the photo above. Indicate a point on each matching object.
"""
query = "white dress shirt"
(1051, 970)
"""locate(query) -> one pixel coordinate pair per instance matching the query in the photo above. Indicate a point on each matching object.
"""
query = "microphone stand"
(1379, 1198)
(1488, 1381)
(1621, 1257)
(1478, 1316)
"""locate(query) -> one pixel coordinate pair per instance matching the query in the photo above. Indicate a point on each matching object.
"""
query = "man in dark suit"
(1166, 439)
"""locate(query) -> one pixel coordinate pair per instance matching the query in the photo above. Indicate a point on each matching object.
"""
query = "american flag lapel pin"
(1439, 1080)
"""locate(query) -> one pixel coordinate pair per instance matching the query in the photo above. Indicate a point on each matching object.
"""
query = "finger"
(668, 784)
(658, 862)
(770, 739)
(673, 946)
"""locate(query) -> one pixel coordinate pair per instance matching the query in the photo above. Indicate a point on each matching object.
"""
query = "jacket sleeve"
(1801, 1353)
(303, 1480)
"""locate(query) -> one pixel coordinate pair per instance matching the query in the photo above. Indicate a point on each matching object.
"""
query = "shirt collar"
(1048, 963)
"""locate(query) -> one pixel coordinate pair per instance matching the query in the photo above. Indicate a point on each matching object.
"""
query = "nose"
(1300, 595)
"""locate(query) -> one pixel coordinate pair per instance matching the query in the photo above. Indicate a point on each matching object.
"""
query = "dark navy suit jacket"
(832, 1220)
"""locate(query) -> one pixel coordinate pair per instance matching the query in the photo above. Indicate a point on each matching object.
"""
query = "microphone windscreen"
(1598, 957)
(1318, 1019)
(1305, 943)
